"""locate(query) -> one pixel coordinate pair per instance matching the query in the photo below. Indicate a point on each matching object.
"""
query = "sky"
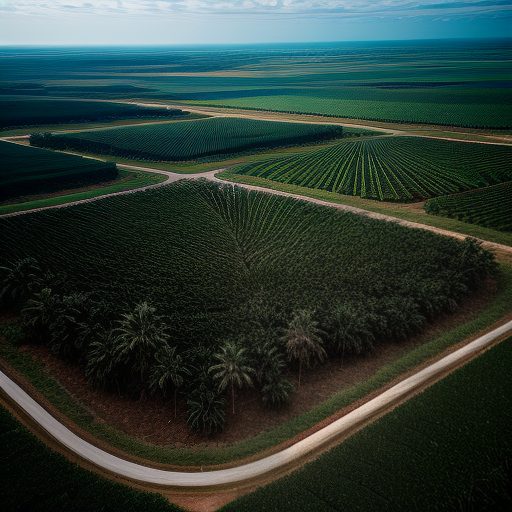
(84, 22)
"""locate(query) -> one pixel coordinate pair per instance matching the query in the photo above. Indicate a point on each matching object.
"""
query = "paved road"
(258, 468)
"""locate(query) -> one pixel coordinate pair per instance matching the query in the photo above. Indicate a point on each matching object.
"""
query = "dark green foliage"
(189, 140)
(391, 168)
(19, 280)
(489, 207)
(27, 170)
(35, 479)
(206, 409)
(226, 263)
(31, 112)
(447, 449)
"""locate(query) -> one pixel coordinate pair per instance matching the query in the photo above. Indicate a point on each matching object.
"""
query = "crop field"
(391, 168)
(27, 170)
(31, 112)
(37, 479)
(447, 449)
(490, 207)
(222, 260)
(381, 105)
(191, 139)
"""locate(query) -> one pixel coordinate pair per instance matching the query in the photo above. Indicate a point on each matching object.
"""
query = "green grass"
(37, 479)
(440, 340)
(192, 139)
(446, 449)
(27, 170)
(391, 168)
(490, 207)
(393, 209)
(128, 180)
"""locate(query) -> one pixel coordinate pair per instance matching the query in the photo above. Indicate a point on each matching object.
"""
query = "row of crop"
(28, 112)
(447, 449)
(225, 265)
(444, 114)
(391, 168)
(189, 140)
(28, 170)
(490, 207)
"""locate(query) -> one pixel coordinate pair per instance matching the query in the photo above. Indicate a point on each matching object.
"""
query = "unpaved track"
(254, 470)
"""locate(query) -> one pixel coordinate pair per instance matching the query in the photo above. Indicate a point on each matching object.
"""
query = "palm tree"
(303, 340)
(232, 369)
(41, 311)
(206, 410)
(169, 370)
(102, 359)
(18, 280)
(350, 330)
(140, 334)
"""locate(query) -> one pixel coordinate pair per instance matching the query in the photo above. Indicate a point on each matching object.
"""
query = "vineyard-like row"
(27, 112)
(394, 109)
(191, 139)
(27, 170)
(391, 168)
(490, 207)
(228, 264)
(446, 449)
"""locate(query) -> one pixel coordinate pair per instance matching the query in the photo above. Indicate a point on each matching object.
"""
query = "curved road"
(253, 470)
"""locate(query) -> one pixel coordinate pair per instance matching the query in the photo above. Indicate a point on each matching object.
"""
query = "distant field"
(37, 479)
(383, 105)
(191, 139)
(490, 207)
(391, 168)
(447, 449)
(26, 170)
(30, 112)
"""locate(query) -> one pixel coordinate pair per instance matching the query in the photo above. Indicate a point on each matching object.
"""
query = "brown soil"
(152, 419)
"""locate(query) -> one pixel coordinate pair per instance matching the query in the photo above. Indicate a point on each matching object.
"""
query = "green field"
(413, 105)
(19, 112)
(391, 168)
(27, 170)
(449, 448)
(32, 477)
(231, 264)
(490, 207)
(191, 139)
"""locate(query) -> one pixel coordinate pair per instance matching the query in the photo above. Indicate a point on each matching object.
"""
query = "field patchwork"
(391, 168)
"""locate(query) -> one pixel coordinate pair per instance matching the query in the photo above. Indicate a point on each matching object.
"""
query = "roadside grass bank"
(201, 456)
(449, 448)
(35, 478)
(401, 211)
(128, 180)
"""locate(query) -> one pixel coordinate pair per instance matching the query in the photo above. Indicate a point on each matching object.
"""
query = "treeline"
(135, 351)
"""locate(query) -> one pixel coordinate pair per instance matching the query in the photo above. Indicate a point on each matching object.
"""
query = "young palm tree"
(168, 371)
(40, 313)
(18, 280)
(303, 340)
(350, 330)
(101, 360)
(232, 369)
(140, 334)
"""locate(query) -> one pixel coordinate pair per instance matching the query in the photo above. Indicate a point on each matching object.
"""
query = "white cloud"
(343, 8)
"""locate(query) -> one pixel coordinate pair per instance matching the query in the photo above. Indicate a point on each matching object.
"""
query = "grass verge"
(399, 210)
(128, 180)
(37, 375)
(449, 448)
